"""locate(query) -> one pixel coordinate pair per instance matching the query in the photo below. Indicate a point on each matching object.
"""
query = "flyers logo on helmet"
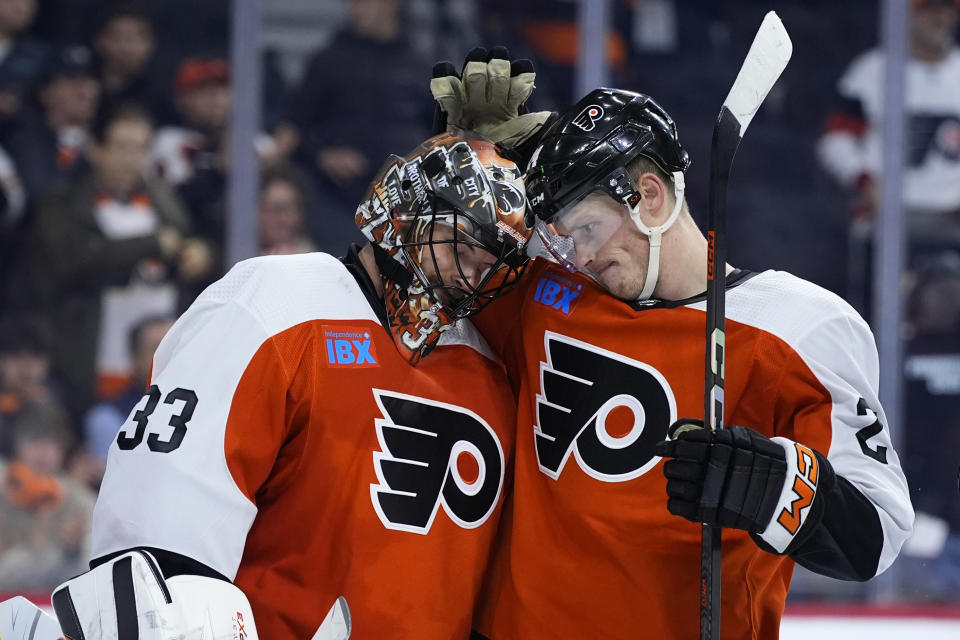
(604, 408)
(587, 119)
(433, 455)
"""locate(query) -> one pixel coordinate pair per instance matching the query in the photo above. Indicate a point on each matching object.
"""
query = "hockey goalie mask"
(447, 225)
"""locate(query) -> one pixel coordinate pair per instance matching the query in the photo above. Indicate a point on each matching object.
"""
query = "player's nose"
(473, 270)
(584, 258)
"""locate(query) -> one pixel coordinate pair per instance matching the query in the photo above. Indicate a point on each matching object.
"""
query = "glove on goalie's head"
(489, 95)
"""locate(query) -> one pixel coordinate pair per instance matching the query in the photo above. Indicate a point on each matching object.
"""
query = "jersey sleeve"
(184, 472)
(864, 507)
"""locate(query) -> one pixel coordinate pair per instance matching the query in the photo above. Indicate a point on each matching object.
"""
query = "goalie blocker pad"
(128, 598)
(20, 619)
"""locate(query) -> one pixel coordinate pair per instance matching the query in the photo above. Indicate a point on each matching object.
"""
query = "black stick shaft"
(726, 139)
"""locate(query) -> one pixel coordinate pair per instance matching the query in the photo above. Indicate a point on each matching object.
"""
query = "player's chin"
(618, 284)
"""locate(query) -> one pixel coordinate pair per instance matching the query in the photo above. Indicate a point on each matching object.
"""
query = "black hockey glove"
(489, 97)
(732, 478)
(738, 478)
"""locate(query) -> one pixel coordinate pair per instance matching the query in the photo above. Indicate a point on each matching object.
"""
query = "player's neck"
(683, 266)
(369, 263)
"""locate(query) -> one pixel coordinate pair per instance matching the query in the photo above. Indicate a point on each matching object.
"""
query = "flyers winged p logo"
(583, 388)
(587, 119)
(433, 455)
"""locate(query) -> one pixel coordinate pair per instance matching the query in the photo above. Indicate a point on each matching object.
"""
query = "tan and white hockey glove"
(488, 97)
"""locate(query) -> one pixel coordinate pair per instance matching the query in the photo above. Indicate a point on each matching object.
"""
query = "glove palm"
(488, 97)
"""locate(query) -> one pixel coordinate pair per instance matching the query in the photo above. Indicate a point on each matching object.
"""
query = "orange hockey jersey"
(589, 549)
(285, 443)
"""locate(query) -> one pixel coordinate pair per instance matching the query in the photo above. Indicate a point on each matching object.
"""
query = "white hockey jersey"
(285, 444)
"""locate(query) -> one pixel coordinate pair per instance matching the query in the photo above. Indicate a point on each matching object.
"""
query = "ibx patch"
(349, 347)
(557, 292)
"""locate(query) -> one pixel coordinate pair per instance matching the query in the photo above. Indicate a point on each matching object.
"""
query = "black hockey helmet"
(600, 134)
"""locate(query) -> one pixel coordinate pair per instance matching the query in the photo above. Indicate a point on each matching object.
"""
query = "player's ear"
(653, 190)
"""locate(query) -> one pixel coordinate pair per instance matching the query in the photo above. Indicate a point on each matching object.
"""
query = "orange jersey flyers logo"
(433, 455)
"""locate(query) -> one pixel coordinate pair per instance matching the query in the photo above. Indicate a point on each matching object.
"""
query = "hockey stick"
(765, 61)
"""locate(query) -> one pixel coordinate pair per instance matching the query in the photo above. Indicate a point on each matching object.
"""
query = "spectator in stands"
(48, 146)
(21, 57)
(367, 74)
(124, 45)
(194, 157)
(44, 516)
(24, 372)
(548, 32)
(283, 198)
(851, 150)
(203, 101)
(932, 393)
(103, 421)
(933, 304)
(112, 249)
(12, 208)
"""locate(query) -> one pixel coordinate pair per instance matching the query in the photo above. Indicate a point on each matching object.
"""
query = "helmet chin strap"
(655, 234)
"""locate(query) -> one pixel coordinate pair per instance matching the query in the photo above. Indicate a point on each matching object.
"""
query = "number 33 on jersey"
(286, 444)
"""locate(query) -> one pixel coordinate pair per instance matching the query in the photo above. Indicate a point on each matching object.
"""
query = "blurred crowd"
(114, 157)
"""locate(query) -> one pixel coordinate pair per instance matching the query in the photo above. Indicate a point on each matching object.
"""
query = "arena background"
(313, 94)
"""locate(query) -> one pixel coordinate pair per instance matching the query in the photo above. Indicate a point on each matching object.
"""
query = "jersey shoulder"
(262, 297)
(283, 291)
(804, 315)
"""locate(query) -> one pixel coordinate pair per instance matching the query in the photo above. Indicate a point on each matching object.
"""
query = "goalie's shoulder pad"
(128, 598)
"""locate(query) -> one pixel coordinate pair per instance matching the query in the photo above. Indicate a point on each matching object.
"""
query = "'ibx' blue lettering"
(557, 292)
(349, 347)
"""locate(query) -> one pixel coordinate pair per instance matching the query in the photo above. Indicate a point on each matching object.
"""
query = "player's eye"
(584, 231)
